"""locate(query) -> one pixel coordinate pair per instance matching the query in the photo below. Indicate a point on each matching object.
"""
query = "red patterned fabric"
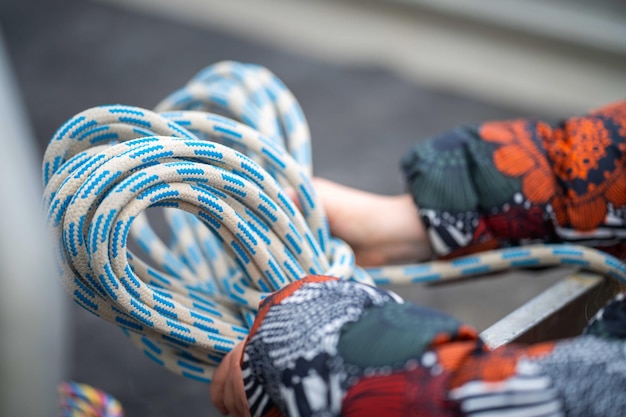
(524, 180)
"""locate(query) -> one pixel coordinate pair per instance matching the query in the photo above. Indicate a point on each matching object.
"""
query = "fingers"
(218, 384)
(227, 391)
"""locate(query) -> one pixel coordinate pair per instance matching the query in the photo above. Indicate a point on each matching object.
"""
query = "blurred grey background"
(372, 77)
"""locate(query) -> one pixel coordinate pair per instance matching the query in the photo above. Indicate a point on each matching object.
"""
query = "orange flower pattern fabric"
(519, 156)
(526, 181)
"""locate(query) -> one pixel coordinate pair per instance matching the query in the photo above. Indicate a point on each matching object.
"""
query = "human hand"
(227, 392)
(380, 229)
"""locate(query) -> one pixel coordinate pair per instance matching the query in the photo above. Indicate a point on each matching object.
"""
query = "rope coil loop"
(236, 236)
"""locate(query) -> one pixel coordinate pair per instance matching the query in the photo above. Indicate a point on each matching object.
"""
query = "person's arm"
(495, 185)
(323, 346)
(507, 183)
(380, 229)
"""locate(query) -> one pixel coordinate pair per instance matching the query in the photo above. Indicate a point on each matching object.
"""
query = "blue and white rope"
(235, 234)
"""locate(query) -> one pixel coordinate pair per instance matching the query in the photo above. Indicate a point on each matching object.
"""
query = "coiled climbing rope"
(216, 158)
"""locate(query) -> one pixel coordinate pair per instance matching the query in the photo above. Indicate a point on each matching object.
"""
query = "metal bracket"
(561, 311)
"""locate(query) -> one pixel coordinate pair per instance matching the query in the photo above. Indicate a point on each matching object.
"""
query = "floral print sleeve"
(511, 182)
(323, 347)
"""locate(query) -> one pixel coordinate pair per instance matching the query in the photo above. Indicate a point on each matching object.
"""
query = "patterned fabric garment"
(292, 345)
(323, 347)
(509, 183)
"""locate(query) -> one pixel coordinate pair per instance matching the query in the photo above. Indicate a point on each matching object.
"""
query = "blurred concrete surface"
(555, 58)
(364, 114)
(597, 25)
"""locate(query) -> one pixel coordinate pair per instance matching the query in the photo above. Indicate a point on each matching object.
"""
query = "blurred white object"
(32, 303)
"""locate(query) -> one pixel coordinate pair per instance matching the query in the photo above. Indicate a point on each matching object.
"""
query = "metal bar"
(561, 311)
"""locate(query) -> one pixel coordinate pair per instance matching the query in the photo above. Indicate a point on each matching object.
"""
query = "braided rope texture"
(81, 400)
(215, 157)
